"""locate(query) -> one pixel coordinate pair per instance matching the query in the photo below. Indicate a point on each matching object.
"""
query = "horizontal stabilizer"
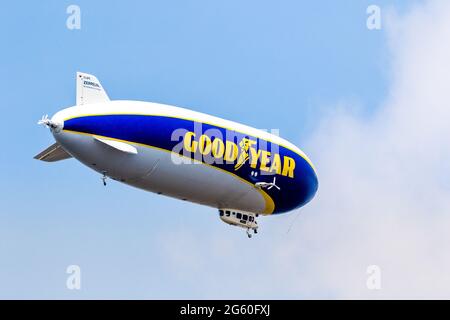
(53, 153)
(89, 90)
(117, 145)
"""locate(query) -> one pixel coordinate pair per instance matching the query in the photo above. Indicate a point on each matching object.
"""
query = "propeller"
(273, 184)
(46, 121)
(268, 185)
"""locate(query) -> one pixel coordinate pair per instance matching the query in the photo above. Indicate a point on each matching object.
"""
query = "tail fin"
(89, 90)
(53, 153)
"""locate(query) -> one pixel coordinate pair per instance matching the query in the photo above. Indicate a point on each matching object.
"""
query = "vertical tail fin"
(89, 90)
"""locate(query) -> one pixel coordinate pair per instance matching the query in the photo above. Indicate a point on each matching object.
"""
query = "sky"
(369, 107)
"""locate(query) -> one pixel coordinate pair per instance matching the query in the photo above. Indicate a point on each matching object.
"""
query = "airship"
(242, 172)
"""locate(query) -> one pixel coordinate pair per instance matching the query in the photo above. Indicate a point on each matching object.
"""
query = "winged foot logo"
(245, 152)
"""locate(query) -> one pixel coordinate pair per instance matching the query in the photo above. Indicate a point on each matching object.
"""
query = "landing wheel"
(248, 233)
(255, 231)
(104, 177)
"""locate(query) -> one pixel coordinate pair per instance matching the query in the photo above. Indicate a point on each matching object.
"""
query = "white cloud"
(384, 195)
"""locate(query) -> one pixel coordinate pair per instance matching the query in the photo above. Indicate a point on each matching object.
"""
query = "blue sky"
(267, 64)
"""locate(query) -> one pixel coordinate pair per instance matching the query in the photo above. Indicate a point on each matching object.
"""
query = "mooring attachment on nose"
(46, 121)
